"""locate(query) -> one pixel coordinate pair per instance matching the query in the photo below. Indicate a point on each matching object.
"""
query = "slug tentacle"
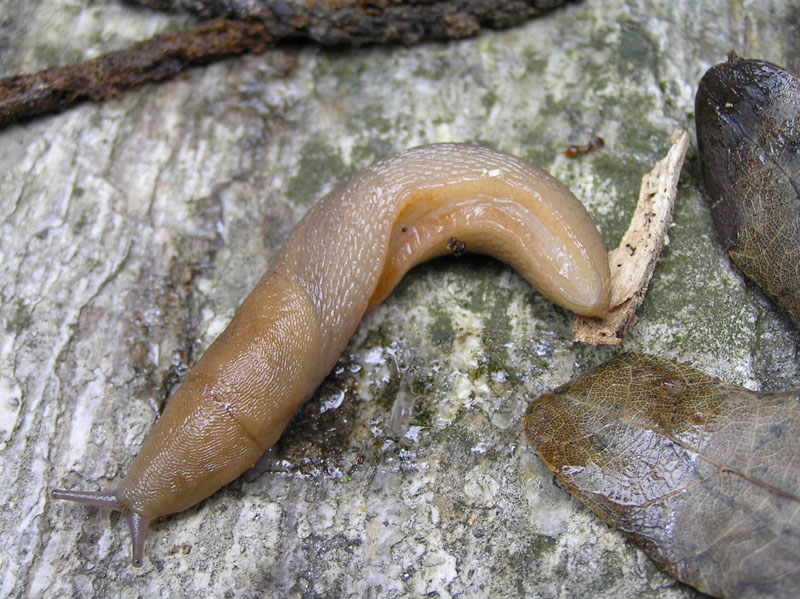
(341, 260)
(138, 526)
(137, 523)
(103, 499)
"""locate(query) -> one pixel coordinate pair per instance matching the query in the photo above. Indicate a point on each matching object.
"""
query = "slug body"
(342, 259)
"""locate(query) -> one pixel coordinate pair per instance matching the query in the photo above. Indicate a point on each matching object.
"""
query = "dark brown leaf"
(748, 136)
(702, 475)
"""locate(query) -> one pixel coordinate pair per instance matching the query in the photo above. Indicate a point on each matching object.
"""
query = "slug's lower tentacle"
(137, 523)
(138, 526)
(342, 259)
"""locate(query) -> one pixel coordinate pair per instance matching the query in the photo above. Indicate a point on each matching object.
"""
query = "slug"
(341, 260)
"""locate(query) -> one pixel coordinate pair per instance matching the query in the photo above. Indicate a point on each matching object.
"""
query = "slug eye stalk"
(137, 523)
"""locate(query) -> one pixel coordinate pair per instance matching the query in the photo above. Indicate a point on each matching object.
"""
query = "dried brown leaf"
(748, 135)
(702, 475)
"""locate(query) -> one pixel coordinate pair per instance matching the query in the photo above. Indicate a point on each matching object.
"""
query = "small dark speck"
(456, 247)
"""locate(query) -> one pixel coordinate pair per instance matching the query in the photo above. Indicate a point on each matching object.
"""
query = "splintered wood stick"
(633, 262)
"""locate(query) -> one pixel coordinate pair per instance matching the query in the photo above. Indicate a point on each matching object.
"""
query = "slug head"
(137, 523)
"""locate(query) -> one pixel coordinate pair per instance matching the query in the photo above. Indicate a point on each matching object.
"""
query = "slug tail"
(137, 523)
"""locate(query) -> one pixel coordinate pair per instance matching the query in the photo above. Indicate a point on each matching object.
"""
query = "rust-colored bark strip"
(351, 23)
(355, 22)
(107, 76)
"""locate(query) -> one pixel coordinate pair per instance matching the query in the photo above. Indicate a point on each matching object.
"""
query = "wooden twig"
(633, 262)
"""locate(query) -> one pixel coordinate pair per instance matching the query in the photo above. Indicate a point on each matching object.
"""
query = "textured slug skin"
(342, 259)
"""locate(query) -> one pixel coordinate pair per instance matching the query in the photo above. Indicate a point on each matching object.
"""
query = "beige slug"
(342, 259)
